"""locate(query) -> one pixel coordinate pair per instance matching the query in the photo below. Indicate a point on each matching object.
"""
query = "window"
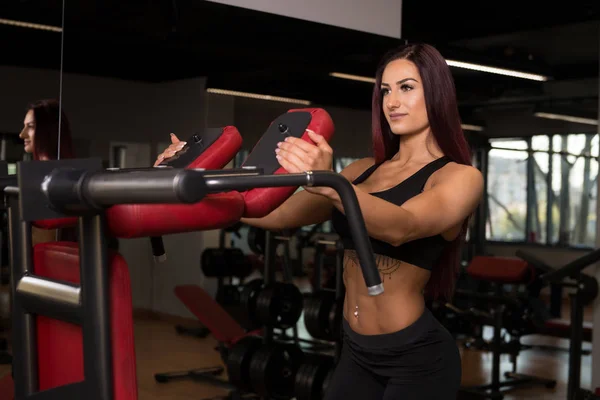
(543, 190)
(538, 205)
(507, 191)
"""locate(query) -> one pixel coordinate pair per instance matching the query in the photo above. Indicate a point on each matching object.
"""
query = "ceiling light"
(496, 70)
(457, 64)
(30, 25)
(257, 96)
(352, 77)
(568, 118)
(469, 127)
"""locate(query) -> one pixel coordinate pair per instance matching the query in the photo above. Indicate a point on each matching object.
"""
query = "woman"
(416, 194)
(41, 140)
(40, 131)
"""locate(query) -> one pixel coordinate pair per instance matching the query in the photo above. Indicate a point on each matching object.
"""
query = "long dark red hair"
(45, 142)
(445, 124)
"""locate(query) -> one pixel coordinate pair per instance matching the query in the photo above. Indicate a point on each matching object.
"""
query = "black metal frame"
(78, 188)
(340, 288)
(584, 290)
(497, 387)
(85, 305)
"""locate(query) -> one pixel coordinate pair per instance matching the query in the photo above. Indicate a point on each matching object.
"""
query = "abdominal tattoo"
(386, 266)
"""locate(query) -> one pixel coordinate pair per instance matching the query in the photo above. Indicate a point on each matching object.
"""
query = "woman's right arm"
(305, 208)
(301, 209)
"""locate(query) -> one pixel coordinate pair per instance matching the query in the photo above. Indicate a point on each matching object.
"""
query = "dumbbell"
(269, 370)
(313, 377)
(277, 305)
(323, 315)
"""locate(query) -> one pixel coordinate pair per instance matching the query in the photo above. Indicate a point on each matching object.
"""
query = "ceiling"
(239, 49)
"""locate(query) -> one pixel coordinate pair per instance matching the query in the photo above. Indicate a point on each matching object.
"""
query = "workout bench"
(499, 271)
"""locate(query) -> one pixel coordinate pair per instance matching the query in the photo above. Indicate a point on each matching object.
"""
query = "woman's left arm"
(446, 205)
(453, 197)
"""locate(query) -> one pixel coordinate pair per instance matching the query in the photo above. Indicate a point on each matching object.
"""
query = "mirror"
(29, 71)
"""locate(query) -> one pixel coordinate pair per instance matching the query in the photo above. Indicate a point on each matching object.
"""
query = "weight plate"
(238, 361)
(316, 315)
(212, 263)
(224, 262)
(280, 305)
(313, 326)
(310, 378)
(248, 299)
(335, 320)
(327, 380)
(273, 370)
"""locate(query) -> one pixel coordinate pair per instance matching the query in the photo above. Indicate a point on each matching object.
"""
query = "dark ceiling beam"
(467, 20)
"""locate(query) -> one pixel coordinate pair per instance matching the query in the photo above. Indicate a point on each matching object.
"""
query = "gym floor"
(160, 349)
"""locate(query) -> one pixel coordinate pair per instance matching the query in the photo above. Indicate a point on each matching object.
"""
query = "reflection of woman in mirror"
(40, 131)
(40, 137)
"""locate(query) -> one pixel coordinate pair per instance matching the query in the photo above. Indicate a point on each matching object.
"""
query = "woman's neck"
(417, 147)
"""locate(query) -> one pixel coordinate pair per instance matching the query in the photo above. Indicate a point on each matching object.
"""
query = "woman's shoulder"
(356, 168)
(454, 171)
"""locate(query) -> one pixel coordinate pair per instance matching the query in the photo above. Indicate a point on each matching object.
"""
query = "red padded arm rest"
(219, 154)
(261, 201)
(216, 211)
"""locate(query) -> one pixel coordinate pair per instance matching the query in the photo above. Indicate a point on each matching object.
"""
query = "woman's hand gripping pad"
(215, 211)
(296, 122)
(194, 154)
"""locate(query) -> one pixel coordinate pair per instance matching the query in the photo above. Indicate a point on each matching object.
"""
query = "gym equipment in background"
(501, 311)
(268, 303)
(323, 320)
(584, 289)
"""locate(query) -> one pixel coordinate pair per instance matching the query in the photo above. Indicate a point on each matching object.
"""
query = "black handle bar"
(74, 190)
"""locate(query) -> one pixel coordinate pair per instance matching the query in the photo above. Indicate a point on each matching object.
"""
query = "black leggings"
(419, 362)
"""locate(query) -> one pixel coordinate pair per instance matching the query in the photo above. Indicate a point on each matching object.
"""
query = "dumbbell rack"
(339, 291)
(307, 369)
(272, 241)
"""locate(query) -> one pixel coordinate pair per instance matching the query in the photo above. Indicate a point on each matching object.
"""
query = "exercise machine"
(584, 289)
(498, 309)
(102, 204)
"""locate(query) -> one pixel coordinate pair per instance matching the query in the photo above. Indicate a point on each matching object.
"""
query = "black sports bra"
(423, 252)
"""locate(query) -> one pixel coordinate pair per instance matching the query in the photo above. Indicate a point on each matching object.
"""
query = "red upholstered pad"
(7, 387)
(56, 223)
(216, 211)
(221, 152)
(499, 269)
(210, 313)
(261, 201)
(60, 344)
(562, 328)
(213, 212)
(218, 155)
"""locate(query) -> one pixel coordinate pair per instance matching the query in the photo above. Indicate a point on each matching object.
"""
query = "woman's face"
(403, 98)
(28, 132)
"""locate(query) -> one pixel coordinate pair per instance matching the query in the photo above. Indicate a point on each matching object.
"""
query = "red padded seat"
(562, 328)
(211, 314)
(60, 344)
(499, 269)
